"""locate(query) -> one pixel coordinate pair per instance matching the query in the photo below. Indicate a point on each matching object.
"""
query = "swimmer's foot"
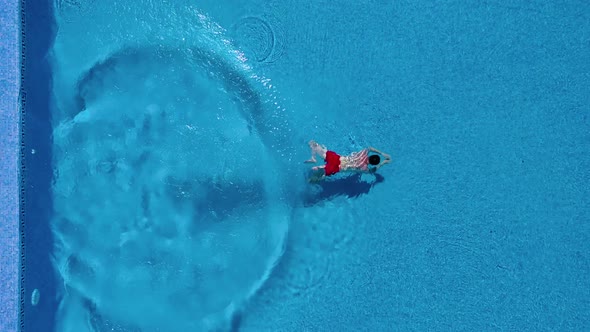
(315, 179)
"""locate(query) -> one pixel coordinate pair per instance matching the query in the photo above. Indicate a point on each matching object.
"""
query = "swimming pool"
(165, 188)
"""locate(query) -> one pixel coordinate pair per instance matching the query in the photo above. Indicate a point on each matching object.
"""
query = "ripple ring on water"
(309, 273)
(258, 38)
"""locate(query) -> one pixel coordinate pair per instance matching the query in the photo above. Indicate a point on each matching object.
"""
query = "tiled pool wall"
(9, 161)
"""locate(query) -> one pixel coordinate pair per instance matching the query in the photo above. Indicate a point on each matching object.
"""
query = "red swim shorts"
(332, 163)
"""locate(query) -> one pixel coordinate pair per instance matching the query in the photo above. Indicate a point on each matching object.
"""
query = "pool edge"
(9, 165)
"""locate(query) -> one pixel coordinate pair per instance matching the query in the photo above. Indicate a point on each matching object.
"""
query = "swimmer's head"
(374, 160)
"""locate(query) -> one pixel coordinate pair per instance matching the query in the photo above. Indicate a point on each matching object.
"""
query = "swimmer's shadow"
(351, 186)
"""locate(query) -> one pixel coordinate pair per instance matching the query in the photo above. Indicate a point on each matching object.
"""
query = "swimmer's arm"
(386, 161)
(387, 157)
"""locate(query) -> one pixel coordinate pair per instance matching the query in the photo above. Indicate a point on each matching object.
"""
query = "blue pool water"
(169, 192)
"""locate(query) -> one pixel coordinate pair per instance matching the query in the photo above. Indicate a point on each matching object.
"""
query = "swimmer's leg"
(316, 149)
(317, 174)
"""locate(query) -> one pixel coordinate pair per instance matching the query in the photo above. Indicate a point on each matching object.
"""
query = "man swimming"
(355, 162)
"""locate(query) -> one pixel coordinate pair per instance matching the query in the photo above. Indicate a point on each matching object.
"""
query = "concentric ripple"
(259, 38)
(314, 270)
(154, 169)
